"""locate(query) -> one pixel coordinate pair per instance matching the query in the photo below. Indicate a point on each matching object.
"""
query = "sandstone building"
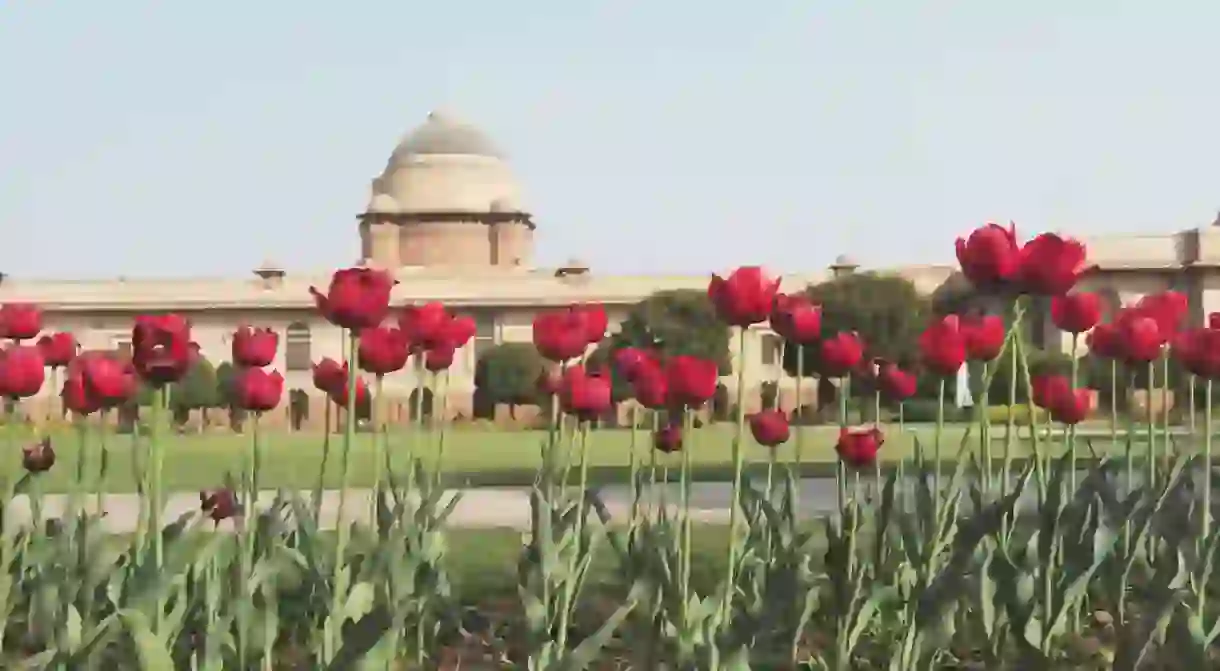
(447, 217)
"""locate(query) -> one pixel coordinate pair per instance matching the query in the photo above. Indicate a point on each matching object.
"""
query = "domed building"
(448, 218)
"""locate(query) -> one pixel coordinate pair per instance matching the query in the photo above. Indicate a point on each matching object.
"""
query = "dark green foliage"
(198, 389)
(676, 322)
(887, 311)
(508, 373)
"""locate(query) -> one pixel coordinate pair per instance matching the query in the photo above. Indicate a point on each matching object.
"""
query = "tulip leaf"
(152, 654)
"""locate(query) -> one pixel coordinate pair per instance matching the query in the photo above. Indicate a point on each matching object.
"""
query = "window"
(771, 345)
(123, 347)
(296, 347)
(484, 334)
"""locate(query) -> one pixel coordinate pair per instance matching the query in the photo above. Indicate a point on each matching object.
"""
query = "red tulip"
(630, 362)
(456, 332)
(58, 349)
(358, 298)
(560, 335)
(220, 504)
(595, 319)
(1051, 264)
(1139, 336)
(943, 347)
(744, 298)
(651, 389)
(769, 427)
(584, 395)
(691, 380)
(796, 319)
(329, 375)
(38, 457)
(858, 447)
(894, 383)
(20, 321)
(668, 439)
(22, 371)
(161, 348)
(424, 325)
(840, 354)
(254, 347)
(990, 256)
(439, 359)
(1168, 308)
(1198, 350)
(549, 382)
(382, 350)
(1104, 341)
(257, 390)
(1072, 407)
(98, 381)
(1047, 389)
(1076, 313)
(340, 396)
(984, 337)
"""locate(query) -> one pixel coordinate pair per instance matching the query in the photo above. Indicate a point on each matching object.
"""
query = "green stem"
(341, 573)
(936, 444)
(1205, 518)
(380, 453)
(1150, 418)
(687, 530)
(726, 604)
(320, 486)
(798, 426)
(1070, 431)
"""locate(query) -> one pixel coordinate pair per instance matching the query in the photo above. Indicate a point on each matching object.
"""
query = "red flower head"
(895, 384)
(340, 397)
(1051, 264)
(1076, 313)
(584, 395)
(561, 335)
(257, 390)
(98, 381)
(1168, 308)
(796, 319)
(691, 380)
(76, 398)
(984, 337)
(770, 428)
(38, 457)
(20, 321)
(254, 347)
(358, 298)
(22, 371)
(858, 447)
(161, 348)
(220, 504)
(744, 298)
(439, 359)
(840, 354)
(668, 439)
(651, 388)
(549, 382)
(1072, 407)
(424, 325)
(1047, 389)
(382, 350)
(596, 321)
(1139, 336)
(1104, 341)
(329, 375)
(943, 346)
(630, 362)
(990, 256)
(457, 331)
(58, 349)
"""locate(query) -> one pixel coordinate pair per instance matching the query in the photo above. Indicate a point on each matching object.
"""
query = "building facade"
(446, 216)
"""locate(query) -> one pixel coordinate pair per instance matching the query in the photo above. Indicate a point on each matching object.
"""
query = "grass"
(473, 457)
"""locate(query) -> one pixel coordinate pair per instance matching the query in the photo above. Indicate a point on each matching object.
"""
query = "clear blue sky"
(183, 138)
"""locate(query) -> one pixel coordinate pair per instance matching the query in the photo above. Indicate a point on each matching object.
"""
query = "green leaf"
(152, 654)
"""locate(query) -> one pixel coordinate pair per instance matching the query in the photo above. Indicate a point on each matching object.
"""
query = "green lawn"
(472, 456)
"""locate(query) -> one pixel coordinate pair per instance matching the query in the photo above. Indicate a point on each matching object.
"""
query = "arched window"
(771, 345)
(297, 356)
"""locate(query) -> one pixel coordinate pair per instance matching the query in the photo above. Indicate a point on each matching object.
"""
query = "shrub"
(925, 410)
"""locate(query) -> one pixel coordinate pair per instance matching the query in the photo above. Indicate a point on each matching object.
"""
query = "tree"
(226, 379)
(676, 322)
(887, 311)
(508, 373)
(197, 390)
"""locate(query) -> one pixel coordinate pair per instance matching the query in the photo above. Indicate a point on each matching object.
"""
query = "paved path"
(478, 508)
